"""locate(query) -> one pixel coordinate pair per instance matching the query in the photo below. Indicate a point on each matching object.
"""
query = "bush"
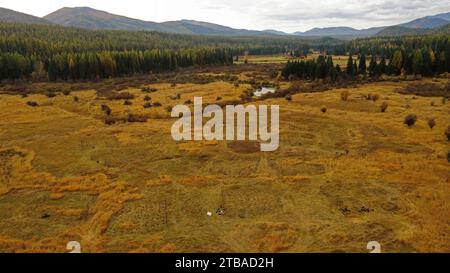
(106, 109)
(149, 90)
(169, 109)
(369, 96)
(147, 98)
(148, 105)
(136, 118)
(176, 97)
(76, 99)
(410, 120)
(66, 92)
(157, 104)
(444, 100)
(432, 103)
(50, 94)
(323, 109)
(447, 133)
(236, 84)
(127, 102)
(288, 97)
(345, 95)
(188, 102)
(218, 98)
(110, 120)
(431, 123)
(32, 103)
(384, 107)
(375, 97)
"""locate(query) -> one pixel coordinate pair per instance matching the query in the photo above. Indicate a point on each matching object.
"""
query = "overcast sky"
(285, 15)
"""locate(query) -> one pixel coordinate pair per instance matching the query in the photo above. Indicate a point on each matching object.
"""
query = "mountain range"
(88, 18)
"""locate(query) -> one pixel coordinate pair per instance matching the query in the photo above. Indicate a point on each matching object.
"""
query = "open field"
(281, 59)
(339, 179)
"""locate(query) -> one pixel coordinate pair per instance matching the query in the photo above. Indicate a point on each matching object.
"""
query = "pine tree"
(362, 65)
(397, 62)
(382, 65)
(417, 62)
(350, 68)
(373, 67)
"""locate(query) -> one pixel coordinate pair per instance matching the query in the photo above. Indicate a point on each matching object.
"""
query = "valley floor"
(339, 179)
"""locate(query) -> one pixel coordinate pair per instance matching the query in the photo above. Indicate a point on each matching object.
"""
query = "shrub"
(345, 95)
(188, 102)
(149, 90)
(147, 98)
(369, 96)
(375, 97)
(431, 123)
(384, 106)
(148, 105)
(157, 104)
(444, 100)
(288, 97)
(50, 94)
(76, 99)
(432, 103)
(218, 98)
(323, 109)
(236, 84)
(410, 120)
(176, 97)
(66, 92)
(136, 118)
(447, 133)
(169, 109)
(106, 109)
(110, 120)
(32, 103)
(127, 102)
(173, 84)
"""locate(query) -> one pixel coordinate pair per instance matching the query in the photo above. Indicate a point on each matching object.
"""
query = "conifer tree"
(362, 64)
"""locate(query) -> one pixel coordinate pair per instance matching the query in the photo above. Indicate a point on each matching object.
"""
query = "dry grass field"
(338, 180)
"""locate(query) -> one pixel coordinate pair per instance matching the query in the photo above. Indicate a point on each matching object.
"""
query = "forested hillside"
(55, 52)
(70, 53)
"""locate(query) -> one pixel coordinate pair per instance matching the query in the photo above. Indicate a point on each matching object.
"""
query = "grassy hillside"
(11, 16)
(88, 18)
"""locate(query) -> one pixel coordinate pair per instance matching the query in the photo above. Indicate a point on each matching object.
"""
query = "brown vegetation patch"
(245, 146)
(427, 89)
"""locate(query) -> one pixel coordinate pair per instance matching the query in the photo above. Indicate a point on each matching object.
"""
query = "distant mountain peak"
(11, 16)
(90, 18)
(86, 17)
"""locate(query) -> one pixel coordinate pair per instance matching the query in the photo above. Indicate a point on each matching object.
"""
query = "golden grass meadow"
(345, 173)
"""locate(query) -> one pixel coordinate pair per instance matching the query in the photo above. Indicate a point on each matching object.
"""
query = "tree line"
(424, 55)
(60, 52)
